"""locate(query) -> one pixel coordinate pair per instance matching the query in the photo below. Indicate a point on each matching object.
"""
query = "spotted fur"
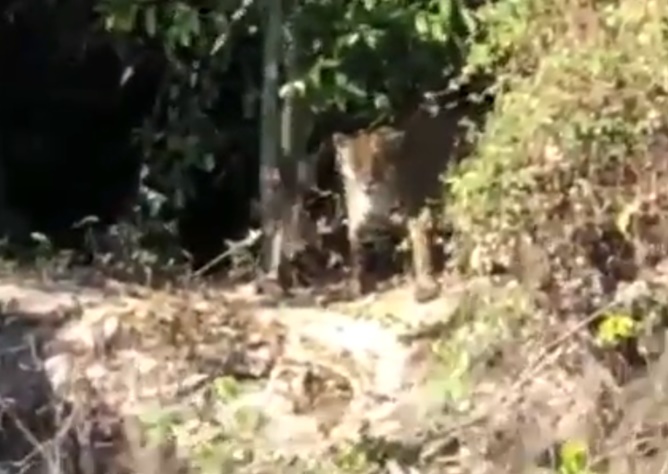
(396, 168)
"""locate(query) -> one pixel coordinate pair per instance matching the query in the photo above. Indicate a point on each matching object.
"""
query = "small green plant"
(351, 458)
(573, 458)
(615, 328)
(226, 389)
(158, 423)
(212, 434)
(566, 148)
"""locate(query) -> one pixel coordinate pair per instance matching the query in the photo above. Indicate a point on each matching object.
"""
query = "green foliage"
(615, 328)
(368, 55)
(364, 56)
(581, 96)
(212, 436)
(217, 436)
(573, 458)
(183, 135)
(351, 458)
(484, 319)
(226, 388)
(202, 29)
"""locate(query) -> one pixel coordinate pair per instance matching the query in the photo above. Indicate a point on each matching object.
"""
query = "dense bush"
(570, 165)
(365, 57)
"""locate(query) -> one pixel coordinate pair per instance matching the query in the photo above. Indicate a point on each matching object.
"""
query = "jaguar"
(395, 170)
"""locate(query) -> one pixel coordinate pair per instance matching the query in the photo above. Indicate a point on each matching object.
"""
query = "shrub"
(571, 159)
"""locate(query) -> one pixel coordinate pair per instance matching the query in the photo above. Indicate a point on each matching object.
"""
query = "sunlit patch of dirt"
(318, 376)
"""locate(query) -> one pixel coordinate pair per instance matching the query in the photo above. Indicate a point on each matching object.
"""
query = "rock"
(26, 394)
(45, 299)
(382, 372)
(328, 374)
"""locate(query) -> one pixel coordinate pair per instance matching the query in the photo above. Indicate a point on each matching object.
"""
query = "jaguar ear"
(340, 141)
(390, 139)
(342, 149)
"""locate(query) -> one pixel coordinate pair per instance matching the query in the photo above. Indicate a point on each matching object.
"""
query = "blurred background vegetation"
(146, 115)
(147, 110)
(139, 122)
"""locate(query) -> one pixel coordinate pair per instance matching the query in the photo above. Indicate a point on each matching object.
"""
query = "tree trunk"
(296, 125)
(284, 169)
(270, 177)
(297, 119)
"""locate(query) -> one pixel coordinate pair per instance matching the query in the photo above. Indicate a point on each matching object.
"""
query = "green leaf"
(150, 22)
(422, 23)
(226, 388)
(614, 328)
(573, 456)
(125, 20)
(343, 82)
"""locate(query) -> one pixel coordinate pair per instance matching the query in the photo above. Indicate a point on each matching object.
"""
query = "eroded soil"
(82, 363)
